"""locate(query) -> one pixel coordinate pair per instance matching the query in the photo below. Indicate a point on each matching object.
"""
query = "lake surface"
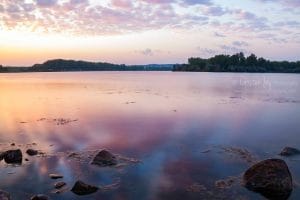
(186, 129)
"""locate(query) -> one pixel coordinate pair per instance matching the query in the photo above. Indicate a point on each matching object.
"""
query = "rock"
(271, 178)
(55, 176)
(289, 151)
(12, 144)
(81, 188)
(40, 197)
(32, 152)
(1, 156)
(13, 156)
(104, 158)
(4, 195)
(59, 185)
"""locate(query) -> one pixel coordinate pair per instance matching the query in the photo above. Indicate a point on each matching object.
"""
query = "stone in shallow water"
(289, 151)
(4, 195)
(271, 178)
(59, 185)
(13, 156)
(32, 152)
(104, 158)
(40, 197)
(81, 188)
(55, 176)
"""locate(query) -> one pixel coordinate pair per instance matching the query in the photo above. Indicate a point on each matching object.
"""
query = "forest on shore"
(238, 63)
(61, 65)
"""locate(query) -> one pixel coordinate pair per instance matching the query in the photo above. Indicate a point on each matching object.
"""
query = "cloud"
(81, 17)
(229, 49)
(207, 51)
(46, 3)
(214, 11)
(216, 34)
(146, 52)
(158, 1)
(289, 3)
(125, 4)
(197, 2)
(240, 43)
(290, 23)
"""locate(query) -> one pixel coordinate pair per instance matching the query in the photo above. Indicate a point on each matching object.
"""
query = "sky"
(146, 31)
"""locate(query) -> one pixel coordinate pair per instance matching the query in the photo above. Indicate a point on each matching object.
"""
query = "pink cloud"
(125, 4)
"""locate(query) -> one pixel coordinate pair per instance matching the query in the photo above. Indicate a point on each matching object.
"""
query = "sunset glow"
(146, 31)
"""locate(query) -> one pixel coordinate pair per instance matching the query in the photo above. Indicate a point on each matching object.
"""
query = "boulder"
(104, 158)
(4, 195)
(13, 156)
(81, 188)
(32, 152)
(40, 197)
(271, 178)
(289, 151)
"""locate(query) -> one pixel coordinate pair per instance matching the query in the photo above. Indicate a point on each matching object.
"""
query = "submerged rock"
(40, 197)
(81, 188)
(4, 195)
(104, 158)
(271, 178)
(59, 185)
(32, 152)
(55, 176)
(289, 151)
(13, 156)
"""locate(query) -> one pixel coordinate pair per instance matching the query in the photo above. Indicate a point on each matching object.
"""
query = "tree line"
(61, 65)
(238, 63)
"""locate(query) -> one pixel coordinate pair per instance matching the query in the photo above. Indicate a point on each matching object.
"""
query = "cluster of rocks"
(15, 156)
(270, 177)
(103, 158)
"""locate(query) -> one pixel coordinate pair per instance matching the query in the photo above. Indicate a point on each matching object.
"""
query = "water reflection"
(172, 120)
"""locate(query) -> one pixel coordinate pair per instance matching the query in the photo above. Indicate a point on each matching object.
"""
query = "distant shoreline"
(236, 63)
(60, 65)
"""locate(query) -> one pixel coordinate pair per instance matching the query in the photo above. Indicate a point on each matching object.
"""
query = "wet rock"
(1, 156)
(4, 195)
(271, 178)
(13, 156)
(55, 176)
(81, 188)
(32, 152)
(104, 158)
(289, 151)
(59, 185)
(40, 197)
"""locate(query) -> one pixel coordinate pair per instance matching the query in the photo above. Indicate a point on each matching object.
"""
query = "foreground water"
(187, 130)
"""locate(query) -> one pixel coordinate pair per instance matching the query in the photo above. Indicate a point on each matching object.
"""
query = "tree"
(234, 60)
(251, 60)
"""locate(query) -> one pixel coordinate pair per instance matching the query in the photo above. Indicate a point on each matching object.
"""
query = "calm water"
(178, 125)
